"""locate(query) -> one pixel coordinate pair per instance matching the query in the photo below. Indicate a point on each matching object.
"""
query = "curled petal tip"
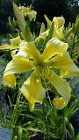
(59, 103)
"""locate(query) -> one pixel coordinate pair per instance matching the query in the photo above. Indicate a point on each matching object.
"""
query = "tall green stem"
(45, 118)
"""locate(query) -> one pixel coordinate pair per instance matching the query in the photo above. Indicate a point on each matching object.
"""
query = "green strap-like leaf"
(50, 34)
(19, 133)
(27, 34)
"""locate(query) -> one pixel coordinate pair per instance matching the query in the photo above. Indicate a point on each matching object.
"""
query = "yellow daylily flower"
(24, 9)
(15, 42)
(43, 66)
(31, 14)
(58, 26)
(58, 21)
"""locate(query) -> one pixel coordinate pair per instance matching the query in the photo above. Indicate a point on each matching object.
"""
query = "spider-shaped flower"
(43, 65)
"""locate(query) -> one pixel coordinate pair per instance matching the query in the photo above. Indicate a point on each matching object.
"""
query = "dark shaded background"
(68, 8)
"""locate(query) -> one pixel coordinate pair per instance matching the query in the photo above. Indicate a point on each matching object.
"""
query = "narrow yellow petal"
(9, 80)
(63, 62)
(29, 48)
(10, 47)
(15, 41)
(42, 35)
(13, 52)
(58, 33)
(70, 74)
(68, 70)
(42, 28)
(17, 65)
(53, 47)
(58, 27)
(22, 50)
(47, 20)
(33, 90)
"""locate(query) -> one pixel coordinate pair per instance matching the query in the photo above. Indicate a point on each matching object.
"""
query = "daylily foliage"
(42, 64)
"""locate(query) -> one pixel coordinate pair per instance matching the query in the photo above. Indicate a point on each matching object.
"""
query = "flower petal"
(6, 47)
(63, 62)
(58, 27)
(22, 50)
(70, 74)
(17, 65)
(48, 21)
(24, 9)
(58, 33)
(53, 47)
(43, 35)
(15, 41)
(14, 44)
(32, 15)
(28, 48)
(33, 90)
(59, 21)
(61, 86)
(9, 80)
(42, 28)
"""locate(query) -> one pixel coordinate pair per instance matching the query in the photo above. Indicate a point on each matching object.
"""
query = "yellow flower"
(58, 26)
(31, 14)
(42, 66)
(24, 9)
(15, 42)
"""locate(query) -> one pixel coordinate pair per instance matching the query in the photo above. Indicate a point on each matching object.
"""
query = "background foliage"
(68, 8)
